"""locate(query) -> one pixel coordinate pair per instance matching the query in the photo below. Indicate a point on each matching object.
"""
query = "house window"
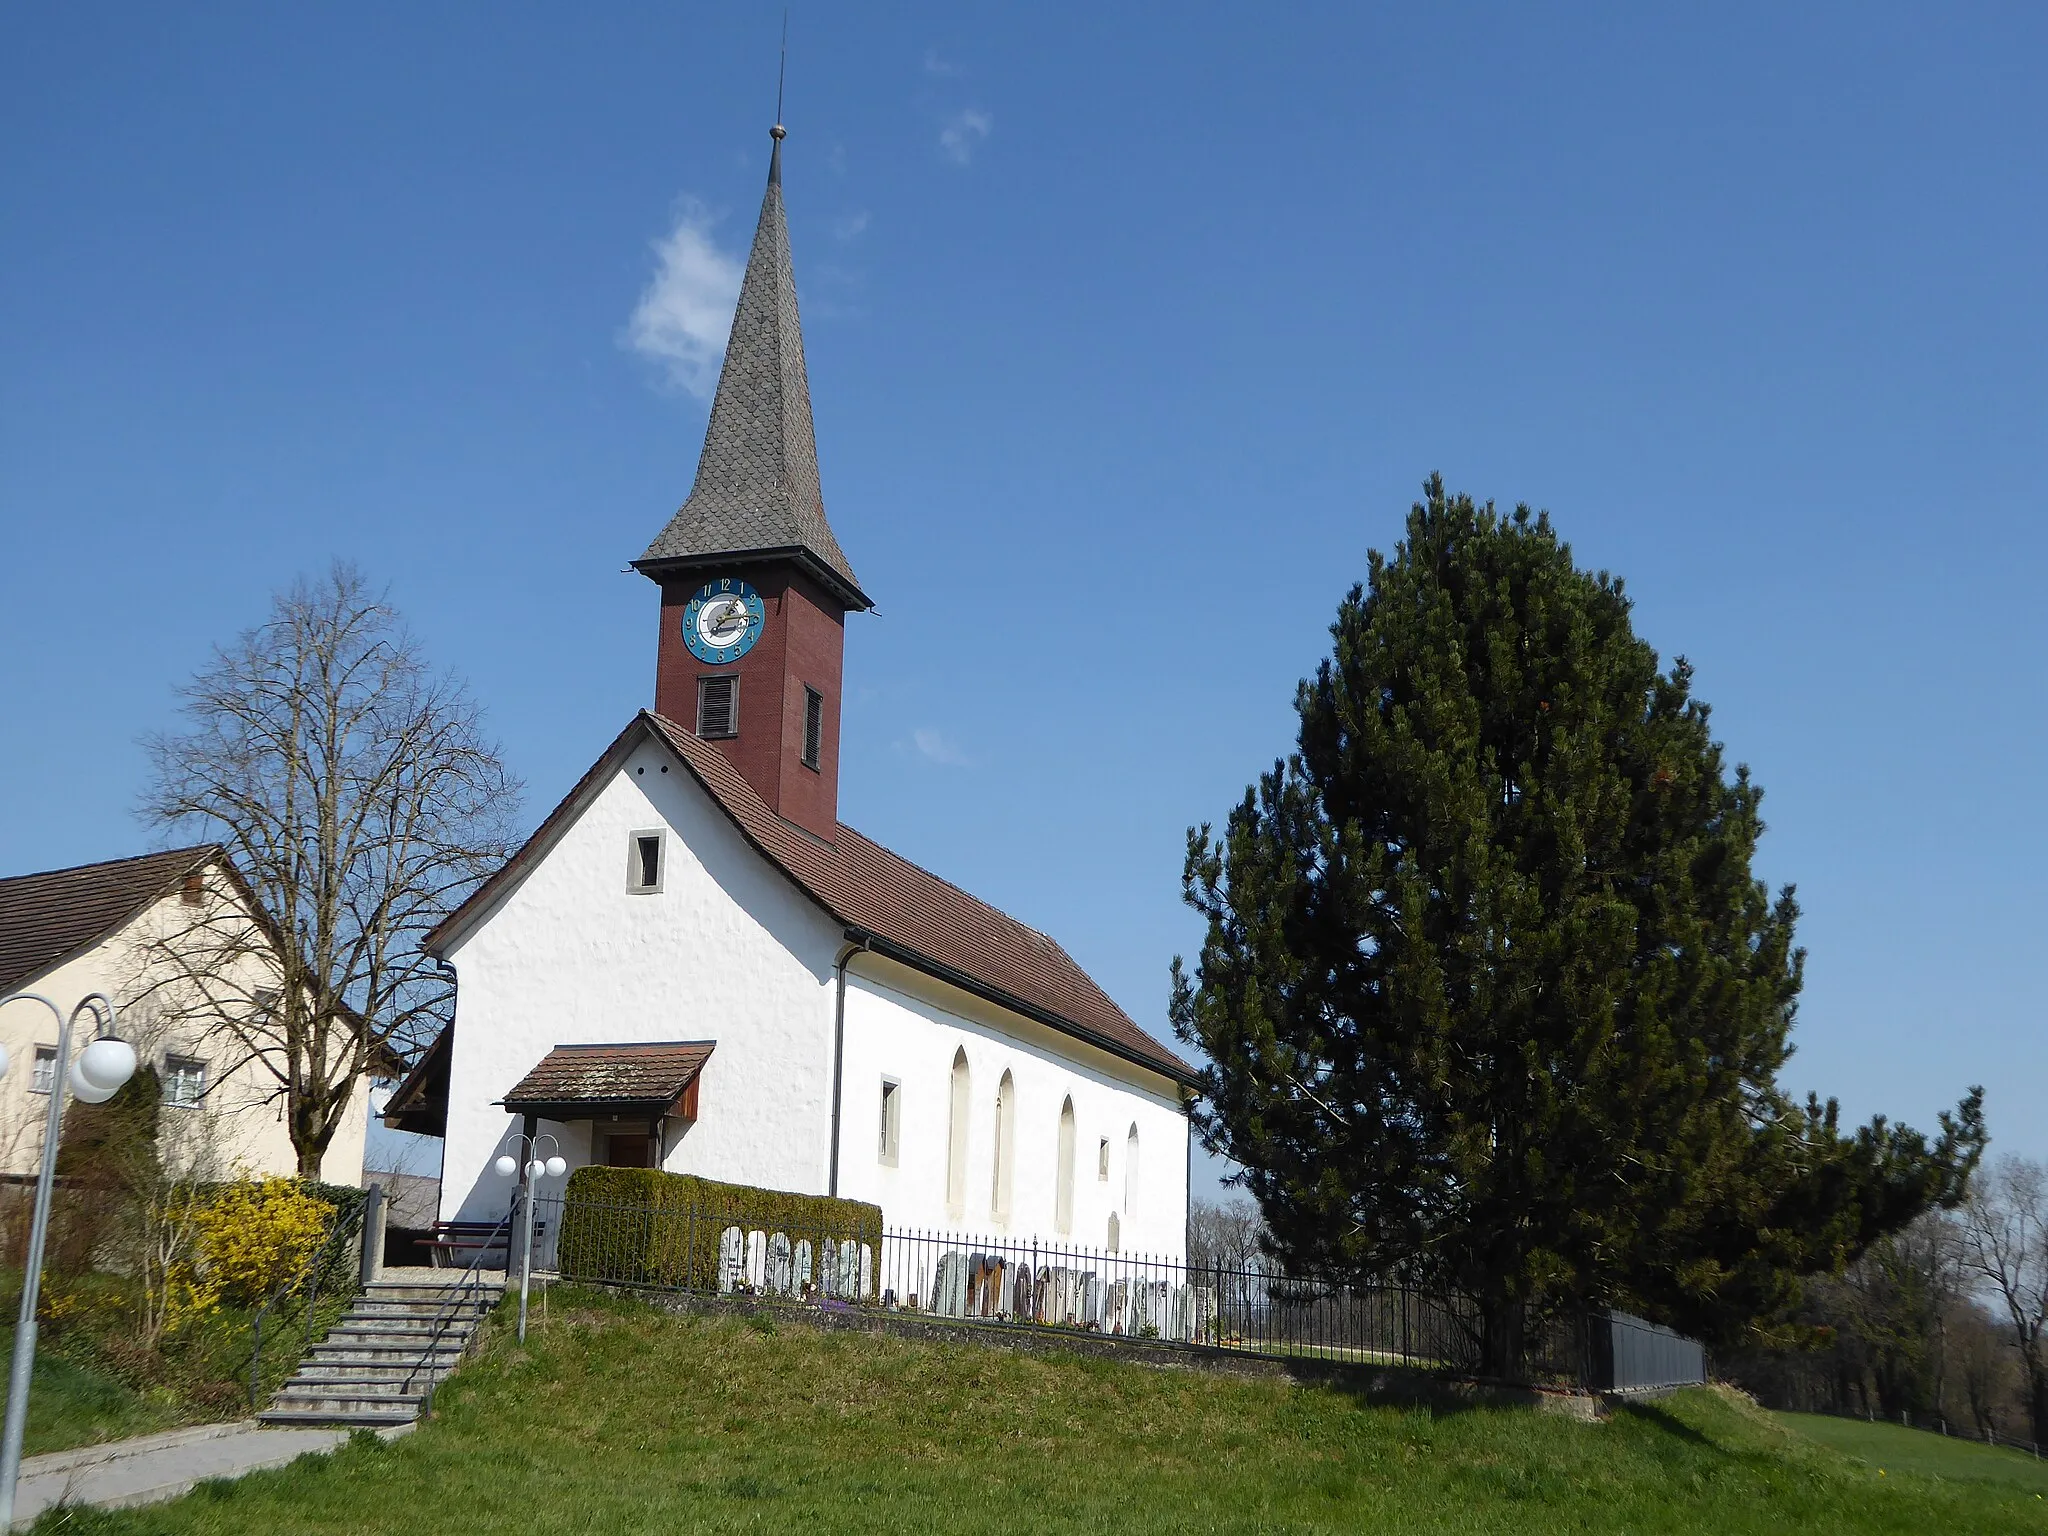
(643, 862)
(195, 889)
(43, 1075)
(892, 1122)
(1102, 1160)
(718, 707)
(1063, 1196)
(814, 726)
(184, 1081)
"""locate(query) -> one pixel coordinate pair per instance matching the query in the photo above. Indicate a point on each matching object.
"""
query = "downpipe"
(846, 955)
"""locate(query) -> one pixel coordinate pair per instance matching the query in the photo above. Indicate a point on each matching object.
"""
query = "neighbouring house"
(141, 930)
(695, 965)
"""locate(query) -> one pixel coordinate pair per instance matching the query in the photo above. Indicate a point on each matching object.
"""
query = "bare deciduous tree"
(1227, 1234)
(2006, 1227)
(357, 792)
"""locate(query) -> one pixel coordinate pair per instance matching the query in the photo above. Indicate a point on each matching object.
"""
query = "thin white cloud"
(963, 134)
(685, 314)
(849, 226)
(936, 746)
(936, 64)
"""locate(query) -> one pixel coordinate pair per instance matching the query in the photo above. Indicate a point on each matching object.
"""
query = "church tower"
(754, 588)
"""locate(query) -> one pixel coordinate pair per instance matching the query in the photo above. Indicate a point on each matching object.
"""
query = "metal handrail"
(309, 1273)
(472, 1281)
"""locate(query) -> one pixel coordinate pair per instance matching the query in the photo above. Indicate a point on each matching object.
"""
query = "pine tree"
(1492, 998)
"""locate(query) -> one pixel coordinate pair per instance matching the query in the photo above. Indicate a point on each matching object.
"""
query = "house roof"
(880, 899)
(757, 492)
(47, 917)
(594, 1077)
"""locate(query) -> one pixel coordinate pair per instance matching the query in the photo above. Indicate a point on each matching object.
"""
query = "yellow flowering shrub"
(253, 1236)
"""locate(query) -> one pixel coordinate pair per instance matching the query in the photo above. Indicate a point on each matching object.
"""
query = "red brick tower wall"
(803, 643)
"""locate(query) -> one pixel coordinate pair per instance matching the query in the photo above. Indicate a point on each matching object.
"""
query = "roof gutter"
(875, 943)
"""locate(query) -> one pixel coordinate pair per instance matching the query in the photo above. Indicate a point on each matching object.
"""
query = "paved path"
(153, 1467)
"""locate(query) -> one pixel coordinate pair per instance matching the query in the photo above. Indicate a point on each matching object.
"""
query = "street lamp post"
(102, 1067)
(530, 1166)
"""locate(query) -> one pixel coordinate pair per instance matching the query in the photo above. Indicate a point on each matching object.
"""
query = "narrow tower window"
(1063, 1207)
(814, 726)
(643, 862)
(956, 1140)
(718, 707)
(892, 1122)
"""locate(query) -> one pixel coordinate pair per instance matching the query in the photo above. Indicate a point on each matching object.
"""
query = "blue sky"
(1112, 322)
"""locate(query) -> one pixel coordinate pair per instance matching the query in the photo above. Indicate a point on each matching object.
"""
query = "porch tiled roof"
(600, 1075)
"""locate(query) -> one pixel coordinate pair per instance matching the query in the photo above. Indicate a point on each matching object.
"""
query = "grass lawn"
(1897, 1449)
(70, 1404)
(617, 1418)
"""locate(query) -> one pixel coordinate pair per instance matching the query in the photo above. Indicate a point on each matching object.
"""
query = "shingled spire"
(756, 496)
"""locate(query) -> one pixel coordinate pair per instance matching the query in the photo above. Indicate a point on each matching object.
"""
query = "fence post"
(375, 1213)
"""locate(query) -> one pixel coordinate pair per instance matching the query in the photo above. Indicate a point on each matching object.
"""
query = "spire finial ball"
(778, 132)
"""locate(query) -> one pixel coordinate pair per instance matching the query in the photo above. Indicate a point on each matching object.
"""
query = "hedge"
(640, 1226)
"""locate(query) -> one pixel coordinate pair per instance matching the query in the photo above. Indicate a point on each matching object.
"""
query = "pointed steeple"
(757, 494)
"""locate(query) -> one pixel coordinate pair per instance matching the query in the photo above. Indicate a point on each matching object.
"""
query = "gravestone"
(732, 1247)
(864, 1279)
(778, 1275)
(828, 1269)
(1020, 1293)
(800, 1262)
(757, 1260)
(1117, 1309)
(1205, 1314)
(1091, 1300)
(949, 1286)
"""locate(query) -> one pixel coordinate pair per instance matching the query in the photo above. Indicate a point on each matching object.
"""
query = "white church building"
(695, 965)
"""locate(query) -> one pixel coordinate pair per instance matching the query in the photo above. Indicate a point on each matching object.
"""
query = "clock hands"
(732, 616)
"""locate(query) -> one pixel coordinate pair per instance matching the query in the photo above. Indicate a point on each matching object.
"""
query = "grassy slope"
(1896, 1449)
(618, 1419)
(72, 1404)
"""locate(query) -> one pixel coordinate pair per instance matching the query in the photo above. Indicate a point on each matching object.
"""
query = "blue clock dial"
(723, 620)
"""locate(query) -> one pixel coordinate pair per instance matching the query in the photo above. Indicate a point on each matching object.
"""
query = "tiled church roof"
(46, 917)
(757, 489)
(902, 911)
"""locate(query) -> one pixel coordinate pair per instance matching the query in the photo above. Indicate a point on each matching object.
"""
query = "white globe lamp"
(557, 1166)
(507, 1165)
(101, 1069)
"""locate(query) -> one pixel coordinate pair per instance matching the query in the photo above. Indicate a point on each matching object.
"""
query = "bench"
(457, 1244)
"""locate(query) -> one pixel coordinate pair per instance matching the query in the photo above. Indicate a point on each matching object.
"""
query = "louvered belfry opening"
(814, 725)
(756, 512)
(718, 707)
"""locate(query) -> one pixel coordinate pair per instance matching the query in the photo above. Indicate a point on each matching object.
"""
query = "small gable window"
(814, 726)
(43, 1075)
(718, 707)
(194, 891)
(643, 866)
(1102, 1160)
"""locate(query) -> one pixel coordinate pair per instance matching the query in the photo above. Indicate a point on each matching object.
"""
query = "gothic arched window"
(1063, 1210)
(956, 1139)
(1006, 1149)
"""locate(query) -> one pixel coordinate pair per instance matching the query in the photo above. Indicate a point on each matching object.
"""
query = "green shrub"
(640, 1226)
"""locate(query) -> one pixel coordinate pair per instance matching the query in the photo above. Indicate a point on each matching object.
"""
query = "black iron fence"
(1251, 1309)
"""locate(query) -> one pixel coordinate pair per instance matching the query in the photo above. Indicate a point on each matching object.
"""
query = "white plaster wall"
(906, 1027)
(727, 950)
(241, 1125)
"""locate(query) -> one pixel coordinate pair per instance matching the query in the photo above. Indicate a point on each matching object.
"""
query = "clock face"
(723, 620)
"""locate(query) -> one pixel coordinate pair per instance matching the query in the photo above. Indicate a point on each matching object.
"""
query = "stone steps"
(376, 1366)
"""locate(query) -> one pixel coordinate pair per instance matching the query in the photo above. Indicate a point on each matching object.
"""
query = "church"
(695, 965)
